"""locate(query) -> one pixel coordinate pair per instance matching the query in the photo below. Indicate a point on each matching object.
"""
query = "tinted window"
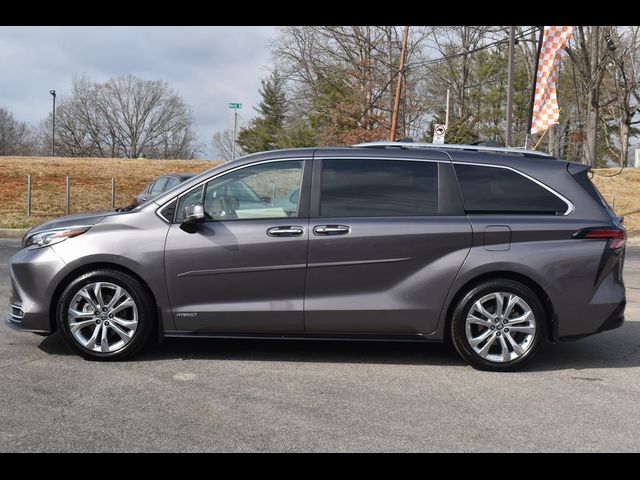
(378, 188)
(498, 190)
(158, 187)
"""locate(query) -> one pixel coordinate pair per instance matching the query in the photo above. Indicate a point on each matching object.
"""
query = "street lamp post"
(53, 137)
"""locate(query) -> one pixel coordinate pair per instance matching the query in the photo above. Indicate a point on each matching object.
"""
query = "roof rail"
(453, 146)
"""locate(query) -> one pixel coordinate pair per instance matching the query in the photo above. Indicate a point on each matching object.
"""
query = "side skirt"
(367, 337)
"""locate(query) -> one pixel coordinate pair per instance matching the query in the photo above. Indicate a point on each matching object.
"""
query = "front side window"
(378, 188)
(499, 190)
(260, 191)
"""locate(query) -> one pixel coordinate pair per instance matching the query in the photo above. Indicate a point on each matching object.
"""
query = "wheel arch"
(509, 275)
(69, 277)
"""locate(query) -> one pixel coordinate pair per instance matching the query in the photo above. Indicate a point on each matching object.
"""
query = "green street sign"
(235, 105)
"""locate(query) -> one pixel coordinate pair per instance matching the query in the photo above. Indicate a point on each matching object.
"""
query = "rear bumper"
(613, 321)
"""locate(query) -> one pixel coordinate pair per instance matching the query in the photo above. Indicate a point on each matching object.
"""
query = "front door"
(243, 269)
(383, 248)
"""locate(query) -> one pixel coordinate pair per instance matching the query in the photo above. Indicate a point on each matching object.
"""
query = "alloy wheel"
(500, 327)
(103, 317)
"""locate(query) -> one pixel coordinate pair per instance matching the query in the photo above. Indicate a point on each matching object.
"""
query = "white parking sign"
(438, 133)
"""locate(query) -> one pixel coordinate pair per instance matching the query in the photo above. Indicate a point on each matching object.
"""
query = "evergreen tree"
(266, 131)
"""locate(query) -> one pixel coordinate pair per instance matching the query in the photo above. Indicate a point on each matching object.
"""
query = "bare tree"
(589, 54)
(344, 77)
(223, 144)
(124, 117)
(16, 138)
(622, 91)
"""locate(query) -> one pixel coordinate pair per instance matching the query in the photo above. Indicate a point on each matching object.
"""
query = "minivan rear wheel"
(105, 315)
(498, 325)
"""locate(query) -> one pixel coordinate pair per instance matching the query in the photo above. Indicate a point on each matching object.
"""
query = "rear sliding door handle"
(285, 231)
(331, 230)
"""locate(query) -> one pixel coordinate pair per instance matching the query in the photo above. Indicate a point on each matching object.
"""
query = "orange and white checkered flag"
(545, 100)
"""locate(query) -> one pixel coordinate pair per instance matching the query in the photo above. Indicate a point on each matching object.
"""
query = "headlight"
(52, 236)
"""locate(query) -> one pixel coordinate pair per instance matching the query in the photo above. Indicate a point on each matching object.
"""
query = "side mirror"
(193, 214)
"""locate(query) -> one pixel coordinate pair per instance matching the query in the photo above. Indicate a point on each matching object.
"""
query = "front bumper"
(34, 275)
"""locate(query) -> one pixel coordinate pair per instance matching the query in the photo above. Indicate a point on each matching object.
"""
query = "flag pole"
(535, 79)
(535, 147)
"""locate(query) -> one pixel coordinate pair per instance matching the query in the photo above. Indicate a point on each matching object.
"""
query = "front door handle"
(285, 231)
(331, 230)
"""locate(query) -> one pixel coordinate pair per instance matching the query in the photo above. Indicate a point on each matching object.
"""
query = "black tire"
(464, 305)
(138, 292)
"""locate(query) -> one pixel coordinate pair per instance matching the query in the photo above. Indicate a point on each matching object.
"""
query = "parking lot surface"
(241, 395)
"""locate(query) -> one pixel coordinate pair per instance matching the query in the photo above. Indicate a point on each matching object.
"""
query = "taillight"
(617, 236)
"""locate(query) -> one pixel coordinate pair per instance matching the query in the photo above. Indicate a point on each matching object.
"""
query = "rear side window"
(498, 190)
(378, 188)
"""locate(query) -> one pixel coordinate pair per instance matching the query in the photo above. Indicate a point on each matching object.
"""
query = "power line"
(467, 52)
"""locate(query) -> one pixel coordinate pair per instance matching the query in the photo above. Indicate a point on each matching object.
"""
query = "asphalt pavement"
(283, 396)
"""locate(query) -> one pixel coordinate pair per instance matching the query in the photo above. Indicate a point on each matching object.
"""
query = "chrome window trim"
(240, 167)
(570, 206)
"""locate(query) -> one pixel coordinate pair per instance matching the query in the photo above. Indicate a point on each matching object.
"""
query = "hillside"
(90, 184)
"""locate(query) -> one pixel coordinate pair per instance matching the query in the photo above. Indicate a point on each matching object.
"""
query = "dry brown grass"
(626, 189)
(91, 186)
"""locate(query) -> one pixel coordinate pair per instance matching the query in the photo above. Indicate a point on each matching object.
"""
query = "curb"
(13, 232)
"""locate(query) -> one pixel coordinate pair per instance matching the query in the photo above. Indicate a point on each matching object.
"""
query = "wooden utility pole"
(512, 45)
(396, 103)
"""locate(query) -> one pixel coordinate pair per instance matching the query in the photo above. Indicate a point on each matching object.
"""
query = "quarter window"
(499, 190)
(378, 188)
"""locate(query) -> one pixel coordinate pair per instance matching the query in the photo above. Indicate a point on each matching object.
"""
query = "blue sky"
(208, 66)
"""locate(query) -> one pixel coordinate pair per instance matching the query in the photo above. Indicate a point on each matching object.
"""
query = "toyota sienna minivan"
(493, 249)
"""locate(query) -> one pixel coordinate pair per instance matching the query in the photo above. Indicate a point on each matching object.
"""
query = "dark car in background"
(160, 185)
(493, 249)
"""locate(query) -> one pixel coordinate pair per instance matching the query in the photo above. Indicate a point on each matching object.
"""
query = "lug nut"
(492, 327)
(506, 330)
(104, 309)
(111, 315)
(98, 322)
(505, 321)
(498, 333)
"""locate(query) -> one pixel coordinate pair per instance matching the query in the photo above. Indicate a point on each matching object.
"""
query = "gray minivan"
(493, 249)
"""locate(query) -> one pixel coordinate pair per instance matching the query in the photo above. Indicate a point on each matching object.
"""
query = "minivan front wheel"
(498, 325)
(105, 315)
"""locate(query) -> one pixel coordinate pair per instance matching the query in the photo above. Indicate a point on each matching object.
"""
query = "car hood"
(86, 218)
